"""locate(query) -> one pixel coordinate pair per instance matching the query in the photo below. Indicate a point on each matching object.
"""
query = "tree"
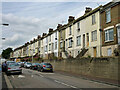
(6, 53)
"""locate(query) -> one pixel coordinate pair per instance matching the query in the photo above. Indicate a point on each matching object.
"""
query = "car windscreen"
(10, 62)
(47, 64)
(37, 63)
(12, 65)
(29, 63)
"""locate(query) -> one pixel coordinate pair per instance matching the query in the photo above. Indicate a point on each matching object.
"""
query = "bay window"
(109, 35)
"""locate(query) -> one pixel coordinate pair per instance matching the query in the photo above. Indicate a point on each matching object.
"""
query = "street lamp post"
(4, 24)
(32, 56)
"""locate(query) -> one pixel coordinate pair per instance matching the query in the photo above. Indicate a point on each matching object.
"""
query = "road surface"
(35, 79)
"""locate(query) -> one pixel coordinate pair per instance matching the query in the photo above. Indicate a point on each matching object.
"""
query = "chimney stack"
(59, 25)
(38, 37)
(44, 34)
(50, 30)
(71, 18)
(88, 9)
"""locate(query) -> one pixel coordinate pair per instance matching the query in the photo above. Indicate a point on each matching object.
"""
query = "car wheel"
(41, 70)
(21, 72)
(38, 69)
(52, 71)
(7, 73)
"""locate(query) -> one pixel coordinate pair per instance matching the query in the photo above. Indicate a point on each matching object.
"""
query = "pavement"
(34, 79)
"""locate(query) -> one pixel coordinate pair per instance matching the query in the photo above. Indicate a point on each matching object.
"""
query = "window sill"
(108, 22)
(70, 47)
(109, 41)
(94, 23)
(78, 45)
(94, 41)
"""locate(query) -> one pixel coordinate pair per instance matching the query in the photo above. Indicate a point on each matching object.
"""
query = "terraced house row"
(95, 34)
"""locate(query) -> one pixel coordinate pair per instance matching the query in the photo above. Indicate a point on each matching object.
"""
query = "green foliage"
(6, 53)
(89, 56)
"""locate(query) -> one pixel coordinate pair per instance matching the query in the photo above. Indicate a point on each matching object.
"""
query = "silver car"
(14, 68)
(10, 62)
(27, 65)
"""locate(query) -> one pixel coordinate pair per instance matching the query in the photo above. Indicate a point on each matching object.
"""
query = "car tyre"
(21, 72)
(41, 70)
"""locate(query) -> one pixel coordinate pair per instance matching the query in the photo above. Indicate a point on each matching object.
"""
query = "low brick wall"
(95, 67)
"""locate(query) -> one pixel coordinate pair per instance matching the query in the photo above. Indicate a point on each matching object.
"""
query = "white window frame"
(70, 30)
(106, 14)
(50, 38)
(94, 35)
(110, 52)
(70, 42)
(61, 34)
(78, 25)
(107, 33)
(46, 40)
(49, 47)
(93, 19)
(55, 45)
(61, 44)
(55, 34)
(78, 40)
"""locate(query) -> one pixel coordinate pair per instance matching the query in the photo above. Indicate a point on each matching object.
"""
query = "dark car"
(45, 67)
(34, 66)
(22, 64)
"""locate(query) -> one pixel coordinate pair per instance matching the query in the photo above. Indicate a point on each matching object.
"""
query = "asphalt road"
(35, 79)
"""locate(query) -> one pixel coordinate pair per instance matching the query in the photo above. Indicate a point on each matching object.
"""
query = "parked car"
(14, 68)
(10, 62)
(34, 66)
(22, 64)
(5, 64)
(45, 67)
(19, 63)
(27, 65)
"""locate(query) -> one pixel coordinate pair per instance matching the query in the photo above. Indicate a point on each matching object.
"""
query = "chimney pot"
(50, 30)
(88, 9)
(71, 18)
(59, 25)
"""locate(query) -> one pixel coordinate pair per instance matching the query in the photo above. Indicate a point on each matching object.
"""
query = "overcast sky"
(28, 19)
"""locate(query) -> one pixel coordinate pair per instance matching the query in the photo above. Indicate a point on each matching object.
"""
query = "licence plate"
(48, 68)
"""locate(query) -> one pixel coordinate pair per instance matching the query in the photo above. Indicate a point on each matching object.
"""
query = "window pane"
(108, 16)
(111, 34)
(106, 36)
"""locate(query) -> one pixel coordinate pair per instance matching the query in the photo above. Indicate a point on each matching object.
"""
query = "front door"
(118, 33)
(95, 51)
(87, 39)
(83, 40)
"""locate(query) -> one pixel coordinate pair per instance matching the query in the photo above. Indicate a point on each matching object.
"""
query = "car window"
(29, 63)
(36, 63)
(47, 64)
(10, 62)
(12, 65)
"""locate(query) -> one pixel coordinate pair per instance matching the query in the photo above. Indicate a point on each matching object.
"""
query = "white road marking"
(12, 76)
(41, 75)
(31, 75)
(45, 73)
(65, 84)
(21, 76)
